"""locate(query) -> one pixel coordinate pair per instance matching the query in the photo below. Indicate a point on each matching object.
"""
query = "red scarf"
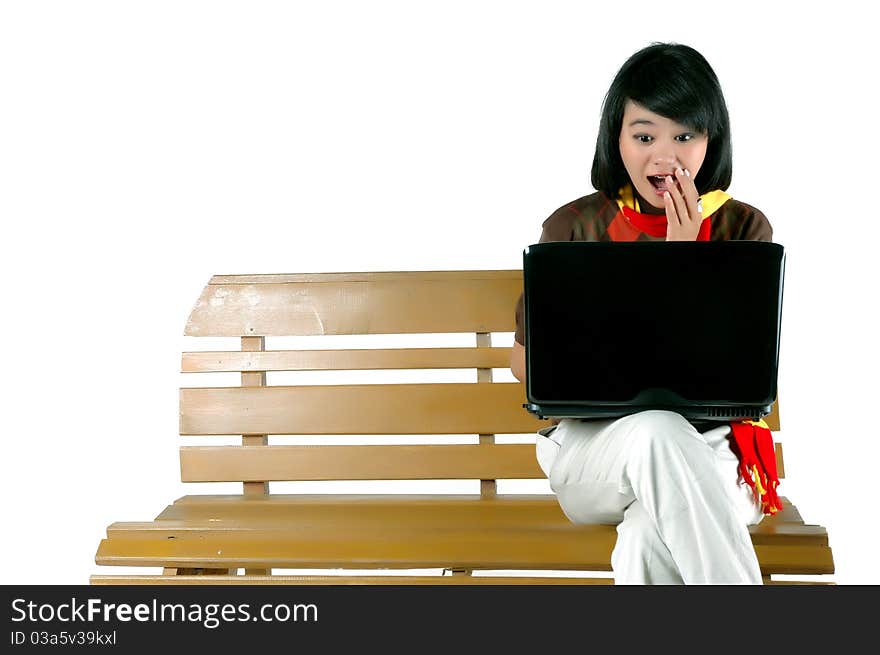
(655, 224)
(753, 445)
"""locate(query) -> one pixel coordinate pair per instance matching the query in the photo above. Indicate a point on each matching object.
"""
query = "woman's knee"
(592, 502)
(656, 419)
(653, 428)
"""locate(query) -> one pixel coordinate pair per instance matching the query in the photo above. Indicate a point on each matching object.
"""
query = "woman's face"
(653, 146)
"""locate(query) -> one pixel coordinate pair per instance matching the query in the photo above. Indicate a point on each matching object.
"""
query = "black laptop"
(616, 328)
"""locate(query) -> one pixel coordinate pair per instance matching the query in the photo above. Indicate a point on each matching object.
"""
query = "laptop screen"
(606, 322)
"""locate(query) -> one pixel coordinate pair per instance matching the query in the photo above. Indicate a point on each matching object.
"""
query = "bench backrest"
(253, 308)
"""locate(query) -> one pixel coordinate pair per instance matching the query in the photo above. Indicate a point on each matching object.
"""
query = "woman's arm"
(518, 361)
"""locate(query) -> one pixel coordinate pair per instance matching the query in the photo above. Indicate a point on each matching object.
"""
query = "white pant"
(675, 493)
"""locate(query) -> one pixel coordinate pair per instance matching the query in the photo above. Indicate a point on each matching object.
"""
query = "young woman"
(677, 490)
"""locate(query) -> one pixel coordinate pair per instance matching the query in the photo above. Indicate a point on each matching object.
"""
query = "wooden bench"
(241, 538)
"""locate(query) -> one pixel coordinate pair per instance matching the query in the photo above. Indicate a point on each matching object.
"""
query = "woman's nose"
(666, 161)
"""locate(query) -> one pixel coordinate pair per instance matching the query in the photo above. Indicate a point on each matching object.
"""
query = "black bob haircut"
(677, 82)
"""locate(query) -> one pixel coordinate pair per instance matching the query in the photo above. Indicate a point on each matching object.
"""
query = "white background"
(147, 146)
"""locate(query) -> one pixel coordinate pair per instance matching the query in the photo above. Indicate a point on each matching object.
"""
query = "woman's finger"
(671, 213)
(691, 195)
(680, 204)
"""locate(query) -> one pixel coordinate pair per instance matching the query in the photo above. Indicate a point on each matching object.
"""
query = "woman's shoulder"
(739, 220)
(574, 219)
(585, 205)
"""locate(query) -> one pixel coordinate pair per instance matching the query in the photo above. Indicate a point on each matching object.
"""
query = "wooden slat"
(336, 531)
(365, 276)
(544, 507)
(586, 549)
(317, 463)
(326, 580)
(467, 408)
(790, 535)
(403, 462)
(488, 488)
(812, 583)
(772, 419)
(512, 501)
(803, 560)
(331, 512)
(578, 548)
(404, 526)
(443, 508)
(389, 303)
(346, 360)
(371, 580)
(252, 345)
(789, 511)
(453, 408)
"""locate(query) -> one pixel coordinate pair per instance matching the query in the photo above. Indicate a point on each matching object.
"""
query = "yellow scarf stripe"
(756, 476)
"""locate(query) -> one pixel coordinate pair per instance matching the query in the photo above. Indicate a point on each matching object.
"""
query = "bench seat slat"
(451, 408)
(541, 509)
(588, 548)
(327, 580)
(408, 532)
(425, 549)
(404, 525)
(345, 359)
(405, 511)
(399, 462)
(332, 580)
(328, 514)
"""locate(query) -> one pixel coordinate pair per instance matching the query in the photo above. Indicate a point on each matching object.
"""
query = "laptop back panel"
(613, 328)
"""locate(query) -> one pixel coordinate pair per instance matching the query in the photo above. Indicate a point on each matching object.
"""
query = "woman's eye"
(683, 138)
(644, 138)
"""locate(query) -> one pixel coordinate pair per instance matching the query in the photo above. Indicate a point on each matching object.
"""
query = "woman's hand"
(683, 212)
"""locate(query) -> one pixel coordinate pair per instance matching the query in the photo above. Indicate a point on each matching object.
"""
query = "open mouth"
(659, 181)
